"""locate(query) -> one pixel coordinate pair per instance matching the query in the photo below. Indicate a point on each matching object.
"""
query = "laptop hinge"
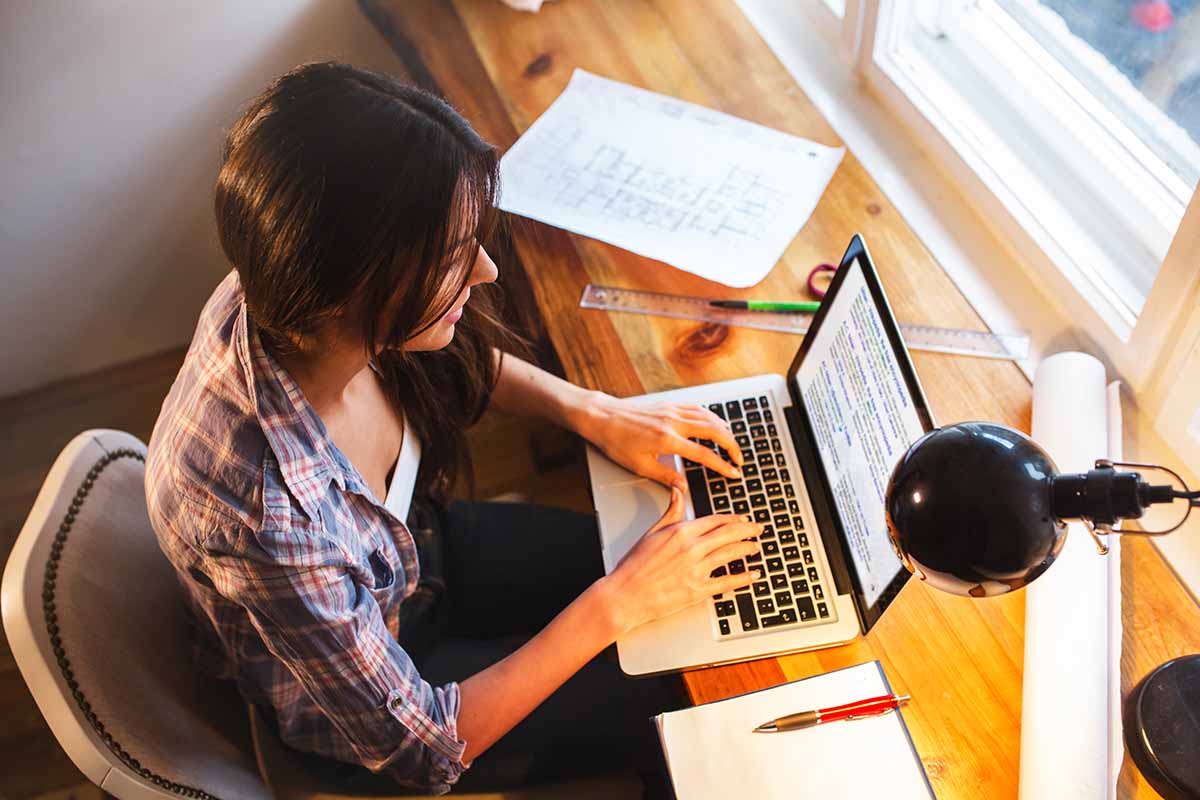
(831, 532)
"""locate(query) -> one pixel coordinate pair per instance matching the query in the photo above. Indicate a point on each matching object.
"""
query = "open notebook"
(711, 751)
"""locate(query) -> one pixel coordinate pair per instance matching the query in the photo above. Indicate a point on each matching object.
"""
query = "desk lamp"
(979, 509)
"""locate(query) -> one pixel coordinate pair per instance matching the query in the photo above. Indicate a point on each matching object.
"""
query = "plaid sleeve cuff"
(437, 730)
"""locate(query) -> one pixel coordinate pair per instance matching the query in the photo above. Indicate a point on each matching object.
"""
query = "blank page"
(712, 752)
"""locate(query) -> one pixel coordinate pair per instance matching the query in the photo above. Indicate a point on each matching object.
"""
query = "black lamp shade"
(969, 509)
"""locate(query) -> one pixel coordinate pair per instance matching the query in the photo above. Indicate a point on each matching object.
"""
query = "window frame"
(1139, 348)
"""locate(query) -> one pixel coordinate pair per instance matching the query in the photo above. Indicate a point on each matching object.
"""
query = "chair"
(99, 629)
(100, 632)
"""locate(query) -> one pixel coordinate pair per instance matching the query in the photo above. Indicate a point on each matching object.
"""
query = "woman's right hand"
(670, 567)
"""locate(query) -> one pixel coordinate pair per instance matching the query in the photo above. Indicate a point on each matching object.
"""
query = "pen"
(871, 707)
(760, 305)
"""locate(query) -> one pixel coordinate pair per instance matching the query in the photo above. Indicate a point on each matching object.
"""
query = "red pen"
(871, 707)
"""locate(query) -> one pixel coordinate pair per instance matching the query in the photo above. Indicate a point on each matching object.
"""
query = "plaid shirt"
(294, 571)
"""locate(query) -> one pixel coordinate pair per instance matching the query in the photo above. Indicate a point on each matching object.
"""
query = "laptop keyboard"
(792, 590)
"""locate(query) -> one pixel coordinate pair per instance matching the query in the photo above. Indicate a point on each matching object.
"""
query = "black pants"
(506, 569)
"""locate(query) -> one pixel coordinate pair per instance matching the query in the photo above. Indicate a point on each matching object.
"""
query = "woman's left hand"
(635, 433)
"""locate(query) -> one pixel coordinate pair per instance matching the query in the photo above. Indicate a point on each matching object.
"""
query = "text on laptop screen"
(863, 419)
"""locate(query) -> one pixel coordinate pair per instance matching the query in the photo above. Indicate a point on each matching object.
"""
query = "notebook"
(711, 751)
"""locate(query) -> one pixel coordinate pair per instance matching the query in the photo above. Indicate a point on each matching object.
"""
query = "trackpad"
(626, 512)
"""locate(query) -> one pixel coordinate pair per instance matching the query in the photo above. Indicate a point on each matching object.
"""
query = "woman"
(298, 471)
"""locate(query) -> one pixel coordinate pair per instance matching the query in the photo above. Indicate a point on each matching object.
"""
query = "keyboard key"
(779, 619)
(784, 475)
(737, 491)
(724, 626)
(762, 401)
(733, 410)
(774, 490)
(709, 443)
(741, 507)
(805, 606)
(762, 589)
(786, 537)
(767, 533)
(788, 491)
(750, 469)
(750, 402)
(803, 539)
(808, 557)
(753, 417)
(776, 445)
(766, 460)
(800, 587)
(783, 598)
(778, 582)
(771, 474)
(766, 606)
(812, 574)
(822, 609)
(742, 440)
(754, 485)
(754, 558)
(774, 564)
(699, 492)
(783, 521)
(772, 431)
(791, 554)
(758, 500)
(770, 548)
(795, 570)
(762, 515)
(745, 607)
(717, 409)
(761, 445)
(758, 431)
(720, 503)
(738, 426)
(798, 521)
(747, 456)
(777, 504)
(718, 572)
(818, 592)
(716, 487)
(794, 507)
(737, 567)
(725, 608)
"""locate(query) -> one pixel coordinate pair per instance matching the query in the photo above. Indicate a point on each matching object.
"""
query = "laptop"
(819, 447)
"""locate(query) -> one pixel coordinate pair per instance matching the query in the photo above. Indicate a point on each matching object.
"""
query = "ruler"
(916, 337)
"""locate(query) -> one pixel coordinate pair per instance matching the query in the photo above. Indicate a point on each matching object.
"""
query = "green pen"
(760, 305)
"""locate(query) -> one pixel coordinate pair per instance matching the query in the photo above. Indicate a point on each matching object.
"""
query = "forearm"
(496, 699)
(528, 391)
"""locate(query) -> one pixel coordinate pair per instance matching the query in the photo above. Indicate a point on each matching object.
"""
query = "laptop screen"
(863, 408)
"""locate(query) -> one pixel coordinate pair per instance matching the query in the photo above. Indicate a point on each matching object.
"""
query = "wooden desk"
(960, 659)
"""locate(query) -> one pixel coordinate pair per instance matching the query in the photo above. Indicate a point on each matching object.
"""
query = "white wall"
(111, 117)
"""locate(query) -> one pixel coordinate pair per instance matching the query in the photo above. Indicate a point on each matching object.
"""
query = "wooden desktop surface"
(960, 659)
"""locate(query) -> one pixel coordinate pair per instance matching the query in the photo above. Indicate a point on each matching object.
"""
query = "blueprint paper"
(701, 190)
(1071, 744)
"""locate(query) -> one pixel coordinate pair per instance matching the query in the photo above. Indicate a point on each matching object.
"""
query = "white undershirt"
(404, 475)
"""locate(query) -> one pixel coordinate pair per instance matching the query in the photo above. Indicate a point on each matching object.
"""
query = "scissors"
(818, 283)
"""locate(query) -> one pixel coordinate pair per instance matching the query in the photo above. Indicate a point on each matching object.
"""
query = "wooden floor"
(511, 455)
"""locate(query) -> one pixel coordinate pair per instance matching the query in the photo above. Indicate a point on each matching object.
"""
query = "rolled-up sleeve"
(327, 630)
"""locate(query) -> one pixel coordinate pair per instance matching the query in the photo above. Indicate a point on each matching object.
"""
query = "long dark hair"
(346, 190)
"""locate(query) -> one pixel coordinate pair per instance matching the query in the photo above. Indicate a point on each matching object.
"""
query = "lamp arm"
(1132, 496)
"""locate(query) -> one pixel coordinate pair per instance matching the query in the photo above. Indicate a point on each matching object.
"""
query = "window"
(1050, 104)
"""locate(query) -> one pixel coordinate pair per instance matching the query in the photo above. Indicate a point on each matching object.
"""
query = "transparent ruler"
(916, 337)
